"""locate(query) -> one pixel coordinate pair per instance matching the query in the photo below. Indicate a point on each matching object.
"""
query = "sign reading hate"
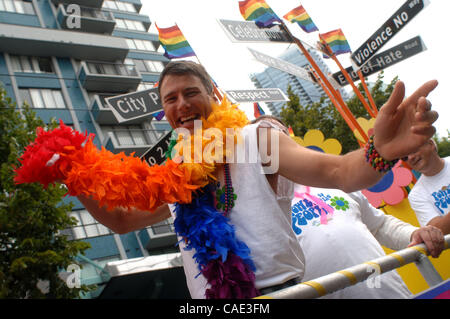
(384, 60)
(387, 31)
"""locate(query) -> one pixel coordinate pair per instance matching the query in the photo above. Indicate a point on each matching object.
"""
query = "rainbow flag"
(336, 40)
(257, 110)
(174, 43)
(259, 12)
(302, 18)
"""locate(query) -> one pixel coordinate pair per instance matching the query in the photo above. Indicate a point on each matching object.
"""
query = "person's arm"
(401, 127)
(396, 234)
(432, 237)
(349, 172)
(422, 205)
(441, 222)
(121, 220)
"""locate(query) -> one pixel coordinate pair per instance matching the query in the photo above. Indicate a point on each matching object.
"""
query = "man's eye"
(191, 93)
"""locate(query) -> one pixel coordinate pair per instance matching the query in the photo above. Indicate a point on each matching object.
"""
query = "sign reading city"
(134, 105)
(257, 95)
(387, 31)
(282, 65)
(157, 154)
(384, 60)
(248, 31)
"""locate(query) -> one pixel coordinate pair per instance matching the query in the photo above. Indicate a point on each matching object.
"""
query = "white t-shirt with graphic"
(262, 220)
(336, 231)
(430, 197)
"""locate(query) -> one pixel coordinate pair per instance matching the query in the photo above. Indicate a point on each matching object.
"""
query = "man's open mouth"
(183, 120)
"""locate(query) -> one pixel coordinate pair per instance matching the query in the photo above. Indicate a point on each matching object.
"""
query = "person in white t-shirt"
(337, 230)
(430, 196)
(259, 216)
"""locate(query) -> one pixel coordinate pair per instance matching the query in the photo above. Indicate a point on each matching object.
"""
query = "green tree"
(324, 116)
(32, 249)
(443, 144)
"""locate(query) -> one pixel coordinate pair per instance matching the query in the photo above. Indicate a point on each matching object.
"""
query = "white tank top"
(259, 221)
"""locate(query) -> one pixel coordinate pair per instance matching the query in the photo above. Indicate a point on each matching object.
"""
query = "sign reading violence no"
(387, 31)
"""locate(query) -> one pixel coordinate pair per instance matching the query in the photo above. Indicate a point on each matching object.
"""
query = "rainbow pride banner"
(302, 18)
(259, 12)
(336, 41)
(174, 43)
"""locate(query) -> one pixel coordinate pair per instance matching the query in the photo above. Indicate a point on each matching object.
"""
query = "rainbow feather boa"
(117, 180)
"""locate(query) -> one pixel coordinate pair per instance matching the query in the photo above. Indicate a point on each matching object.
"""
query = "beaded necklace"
(225, 196)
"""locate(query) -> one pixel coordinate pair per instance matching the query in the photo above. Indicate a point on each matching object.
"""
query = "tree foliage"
(32, 250)
(443, 144)
(324, 116)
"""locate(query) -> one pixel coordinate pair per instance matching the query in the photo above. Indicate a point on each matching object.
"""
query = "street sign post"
(248, 31)
(384, 60)
(282, 65)
(157, 154)
(134, 105)
(257, 95)
(387, 31)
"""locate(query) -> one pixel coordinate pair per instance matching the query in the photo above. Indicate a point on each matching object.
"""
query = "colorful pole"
(347, 116)
(369, 95)
(334, 93)
(330, 53)
(353, 275)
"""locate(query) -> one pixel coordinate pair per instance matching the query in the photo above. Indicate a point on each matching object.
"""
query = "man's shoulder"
(418, 189)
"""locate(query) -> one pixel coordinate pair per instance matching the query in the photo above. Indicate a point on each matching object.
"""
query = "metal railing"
(351, 276)
(104, 68)
(91, 13)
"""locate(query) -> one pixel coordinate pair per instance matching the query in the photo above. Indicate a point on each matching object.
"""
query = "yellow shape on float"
(366, 125)
(314, 139)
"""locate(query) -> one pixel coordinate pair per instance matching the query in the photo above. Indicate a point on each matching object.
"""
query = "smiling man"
(430, 197)
(255, 212)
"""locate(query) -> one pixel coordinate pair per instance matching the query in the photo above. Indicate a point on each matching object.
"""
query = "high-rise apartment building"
(307, 91)
(63, 58)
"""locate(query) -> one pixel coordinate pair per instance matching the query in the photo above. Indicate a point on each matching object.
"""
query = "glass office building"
(307, 91)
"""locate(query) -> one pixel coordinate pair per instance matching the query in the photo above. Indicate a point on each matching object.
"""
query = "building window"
(43, 98)
(145, 86)
(126, 135)
(21, 63)
(144, 45)
(164, 227)
(148, 66)
(130, 24)
(118, 5)
(17, 6)
(86, 226)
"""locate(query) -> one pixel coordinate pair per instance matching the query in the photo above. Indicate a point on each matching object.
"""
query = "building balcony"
(23, 40)
(91, 20)
(103, 115)
(109, 77)
(85, 3)
(112, 144)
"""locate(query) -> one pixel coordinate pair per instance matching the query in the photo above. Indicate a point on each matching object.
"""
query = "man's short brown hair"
(187, 68)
